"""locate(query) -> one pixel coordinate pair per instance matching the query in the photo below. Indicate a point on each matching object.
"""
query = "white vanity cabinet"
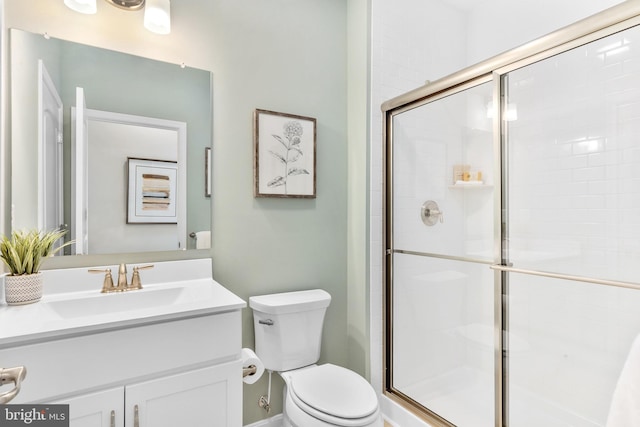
(202, 397)
(101, 409)
(166, 355)
(183, 372)
(205, 397)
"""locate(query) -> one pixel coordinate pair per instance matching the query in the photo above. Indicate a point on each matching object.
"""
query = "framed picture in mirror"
(284, 155)
(152, 191)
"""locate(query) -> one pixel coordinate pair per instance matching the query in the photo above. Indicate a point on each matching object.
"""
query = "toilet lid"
(335, 390)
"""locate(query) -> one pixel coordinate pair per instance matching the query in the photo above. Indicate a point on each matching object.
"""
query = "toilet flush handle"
(267, 322)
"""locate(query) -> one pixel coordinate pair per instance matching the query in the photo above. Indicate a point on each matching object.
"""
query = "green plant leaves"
(24, 252)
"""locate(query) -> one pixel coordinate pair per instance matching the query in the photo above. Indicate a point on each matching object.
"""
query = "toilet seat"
(333, 394)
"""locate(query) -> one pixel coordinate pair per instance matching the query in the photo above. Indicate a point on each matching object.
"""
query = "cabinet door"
(210, 396)
(100, 409)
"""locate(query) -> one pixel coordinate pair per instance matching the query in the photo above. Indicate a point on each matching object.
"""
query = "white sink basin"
(73, 305)
(97, 304)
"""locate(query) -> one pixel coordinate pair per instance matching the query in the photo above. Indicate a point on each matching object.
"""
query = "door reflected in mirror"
(73, 173)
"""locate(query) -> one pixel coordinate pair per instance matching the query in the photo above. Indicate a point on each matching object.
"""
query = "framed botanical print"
(285, 155)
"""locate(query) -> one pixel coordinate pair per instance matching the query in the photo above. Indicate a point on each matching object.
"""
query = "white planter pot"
(24, 289)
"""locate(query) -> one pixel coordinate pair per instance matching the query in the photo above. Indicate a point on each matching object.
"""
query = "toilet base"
(293, 416)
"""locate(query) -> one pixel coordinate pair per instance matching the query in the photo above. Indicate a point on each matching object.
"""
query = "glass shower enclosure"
(513, 234)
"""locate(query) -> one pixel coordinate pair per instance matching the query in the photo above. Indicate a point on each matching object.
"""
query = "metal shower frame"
(603, 24)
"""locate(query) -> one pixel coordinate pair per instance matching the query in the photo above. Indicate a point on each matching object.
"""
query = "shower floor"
(465, 397)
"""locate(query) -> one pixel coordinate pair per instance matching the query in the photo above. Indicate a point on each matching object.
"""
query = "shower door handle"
(11, 375)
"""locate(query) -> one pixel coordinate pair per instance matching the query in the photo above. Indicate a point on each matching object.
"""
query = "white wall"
(110, 144)
(24, 115)
(495, 26)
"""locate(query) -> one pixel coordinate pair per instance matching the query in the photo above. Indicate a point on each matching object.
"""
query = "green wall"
(283, 55)
(291, 58)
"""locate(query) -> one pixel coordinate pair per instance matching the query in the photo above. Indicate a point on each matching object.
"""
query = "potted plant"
(23, 254)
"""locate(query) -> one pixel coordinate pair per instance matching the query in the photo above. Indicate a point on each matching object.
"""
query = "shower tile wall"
(578, 128)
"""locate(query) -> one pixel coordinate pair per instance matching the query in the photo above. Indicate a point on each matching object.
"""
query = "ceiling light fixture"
(82, 6)
(157, 13)
(127, 4)
(157, 16)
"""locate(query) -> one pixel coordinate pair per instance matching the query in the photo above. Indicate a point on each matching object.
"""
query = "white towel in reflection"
(203, 239)
(625, 403)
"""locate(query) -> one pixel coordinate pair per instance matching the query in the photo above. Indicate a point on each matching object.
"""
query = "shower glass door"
(442, 245)
(573, 210)
(513, 240)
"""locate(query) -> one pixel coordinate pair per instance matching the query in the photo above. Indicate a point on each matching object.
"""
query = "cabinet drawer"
(91, 362)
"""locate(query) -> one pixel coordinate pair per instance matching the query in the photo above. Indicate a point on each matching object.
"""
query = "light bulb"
(82, 6)
(157, 16)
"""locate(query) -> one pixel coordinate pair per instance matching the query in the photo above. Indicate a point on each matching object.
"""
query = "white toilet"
(288, 333)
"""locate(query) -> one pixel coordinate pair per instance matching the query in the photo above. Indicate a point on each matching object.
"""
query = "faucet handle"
(135, 279)
(107, 285)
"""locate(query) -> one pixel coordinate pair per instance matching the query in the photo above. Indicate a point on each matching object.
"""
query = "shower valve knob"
(431, 213)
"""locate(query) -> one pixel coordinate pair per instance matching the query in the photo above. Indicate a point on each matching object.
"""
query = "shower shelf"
(470, 186)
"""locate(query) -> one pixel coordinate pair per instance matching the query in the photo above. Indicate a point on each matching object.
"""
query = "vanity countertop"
(175, 290)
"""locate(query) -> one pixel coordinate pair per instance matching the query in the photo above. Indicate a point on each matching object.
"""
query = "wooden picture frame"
(284, 155)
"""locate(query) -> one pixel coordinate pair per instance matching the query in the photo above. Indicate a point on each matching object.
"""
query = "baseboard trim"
(275, 421)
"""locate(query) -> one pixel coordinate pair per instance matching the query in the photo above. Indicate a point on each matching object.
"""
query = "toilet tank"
(288, 328)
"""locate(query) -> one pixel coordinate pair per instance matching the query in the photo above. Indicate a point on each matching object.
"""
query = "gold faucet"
(122, 286)
(122, 278)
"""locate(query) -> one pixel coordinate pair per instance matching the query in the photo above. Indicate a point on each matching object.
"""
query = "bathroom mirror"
(62, 178)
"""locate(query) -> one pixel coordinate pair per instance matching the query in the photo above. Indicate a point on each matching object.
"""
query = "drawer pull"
(112, 422)
(136, 417)
(11, 375)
